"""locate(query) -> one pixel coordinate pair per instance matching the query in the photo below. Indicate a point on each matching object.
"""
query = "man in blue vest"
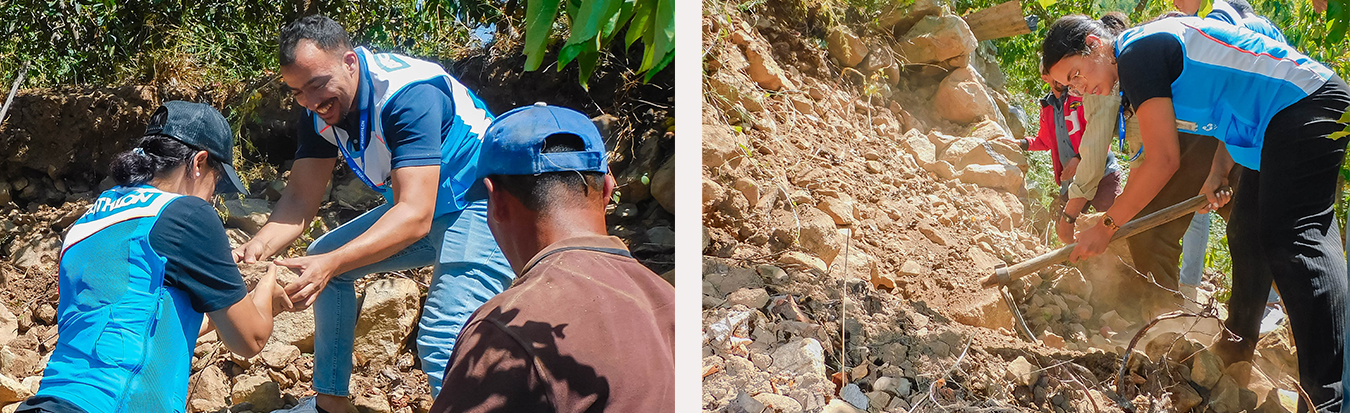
(410, 132)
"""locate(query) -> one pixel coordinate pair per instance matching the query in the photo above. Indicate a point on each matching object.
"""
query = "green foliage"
(1217, 257)
(593, 24)
(110, 42)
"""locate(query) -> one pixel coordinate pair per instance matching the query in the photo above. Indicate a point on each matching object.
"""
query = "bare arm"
(408, 220)
(1158, 127)
(246, 325)
(1101, 112)
(299, 203)
(1218, 178)
(1157, 124)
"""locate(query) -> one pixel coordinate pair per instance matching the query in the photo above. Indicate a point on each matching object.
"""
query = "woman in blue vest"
(1272, 108)
(142, 266)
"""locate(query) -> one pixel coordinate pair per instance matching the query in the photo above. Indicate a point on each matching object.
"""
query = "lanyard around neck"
(1120, 128)
(356, 148)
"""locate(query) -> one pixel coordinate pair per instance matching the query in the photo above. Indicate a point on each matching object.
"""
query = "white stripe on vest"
(139, 203)
(390, 73)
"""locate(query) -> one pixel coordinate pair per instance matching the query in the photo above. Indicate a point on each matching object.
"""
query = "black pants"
(1283, 228)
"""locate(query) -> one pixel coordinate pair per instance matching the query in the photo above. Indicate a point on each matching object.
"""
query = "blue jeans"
(469, 270)
(1193, 250)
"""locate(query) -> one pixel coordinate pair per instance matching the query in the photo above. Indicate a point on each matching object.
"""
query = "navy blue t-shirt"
(1148, 67)
(190, 235)
(414, 126)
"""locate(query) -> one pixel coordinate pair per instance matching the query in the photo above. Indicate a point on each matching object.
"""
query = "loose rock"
(388, 313)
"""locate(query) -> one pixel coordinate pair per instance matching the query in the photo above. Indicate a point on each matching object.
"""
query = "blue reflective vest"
(1224, 12)
(383, 76)
(125, 340)
(1233, 81)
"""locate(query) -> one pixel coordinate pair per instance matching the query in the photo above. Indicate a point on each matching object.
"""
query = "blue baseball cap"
(203, 127)
(513, 144)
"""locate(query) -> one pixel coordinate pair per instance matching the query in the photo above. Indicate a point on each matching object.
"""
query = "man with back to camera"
(410, 132)
(585, 327)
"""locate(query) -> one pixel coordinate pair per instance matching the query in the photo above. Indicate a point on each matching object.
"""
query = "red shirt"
(586, 328)
(1074, 122)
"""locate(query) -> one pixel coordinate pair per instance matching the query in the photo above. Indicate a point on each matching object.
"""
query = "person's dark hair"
(1115, 22)
(548, 190)
(152, 156)
(1168, 15)
(1068, 35)
(327, 34)
(1242, 6)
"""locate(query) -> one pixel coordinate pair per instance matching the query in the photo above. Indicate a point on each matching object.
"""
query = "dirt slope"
(56, 144)
(863, 187)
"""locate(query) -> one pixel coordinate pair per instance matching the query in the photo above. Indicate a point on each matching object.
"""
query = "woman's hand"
(1091, 242)
(1216, 191)
(278, 301)
(1064, 230)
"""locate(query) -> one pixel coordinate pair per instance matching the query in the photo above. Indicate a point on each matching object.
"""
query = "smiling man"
(412, 133)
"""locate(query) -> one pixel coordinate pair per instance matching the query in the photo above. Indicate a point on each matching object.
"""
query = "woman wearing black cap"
(142, 266)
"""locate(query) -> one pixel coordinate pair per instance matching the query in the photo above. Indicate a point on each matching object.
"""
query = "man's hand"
(315, 271)
(1071, 168)
(1065, 231)
(251, 252)
(1091, 242)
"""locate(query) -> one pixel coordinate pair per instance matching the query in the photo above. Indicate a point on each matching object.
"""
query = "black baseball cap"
(200, 126)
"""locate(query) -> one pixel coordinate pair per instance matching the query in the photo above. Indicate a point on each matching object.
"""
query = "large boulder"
(9, 325)
(1206, 369)
(937, 39)
(1002, 177)
(819, 234)
(208, 390)
(918, 145)
(719, 146)
(388, 313)
(763, 70)
(802, 357)
(247, 214)
(846, 47)
(36, 252)
(985, 309)
(13, 390)
(963, 98)
(296, 329)
(264, 394)
(970, 151)
(663, 185)
(355, 194)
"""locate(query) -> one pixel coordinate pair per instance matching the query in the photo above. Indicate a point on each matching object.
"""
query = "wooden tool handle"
(1003, 276)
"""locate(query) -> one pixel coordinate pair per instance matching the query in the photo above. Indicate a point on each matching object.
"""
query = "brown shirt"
(586, 328)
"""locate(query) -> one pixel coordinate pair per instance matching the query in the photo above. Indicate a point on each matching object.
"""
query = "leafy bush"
(110, 42)
(594, 24)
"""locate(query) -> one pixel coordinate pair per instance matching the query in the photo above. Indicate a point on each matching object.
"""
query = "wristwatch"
(1067, 218)
(1110, 223)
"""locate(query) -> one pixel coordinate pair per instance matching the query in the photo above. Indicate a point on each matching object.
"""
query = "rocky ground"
(56, 146)
(855, 193)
